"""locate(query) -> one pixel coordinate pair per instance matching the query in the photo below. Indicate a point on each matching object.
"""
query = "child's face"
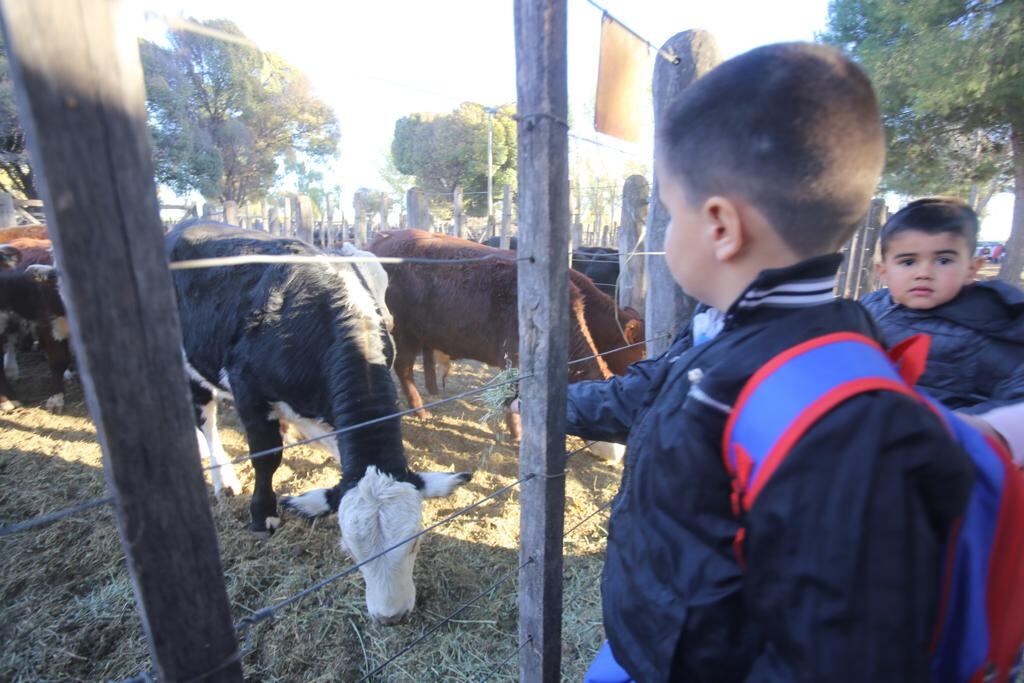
(923, 270)
(686, 253)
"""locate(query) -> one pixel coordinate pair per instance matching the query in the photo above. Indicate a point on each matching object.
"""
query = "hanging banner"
(623, 73)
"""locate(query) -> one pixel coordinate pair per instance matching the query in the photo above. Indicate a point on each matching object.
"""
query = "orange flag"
(622, 74)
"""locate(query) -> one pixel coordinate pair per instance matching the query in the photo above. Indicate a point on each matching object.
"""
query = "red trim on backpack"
(911, 356)
(1005, 599)
(769, 368)
(808, 418)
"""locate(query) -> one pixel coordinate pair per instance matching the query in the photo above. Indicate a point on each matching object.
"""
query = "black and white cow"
(307, 344)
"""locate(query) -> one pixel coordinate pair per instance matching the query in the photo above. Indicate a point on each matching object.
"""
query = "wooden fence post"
(362, 233)
(635, 193)
(457, 211)
(274, 221)
(286, 217)
(540, 27)
(668, 308)
(304, 218)
(383, 211)
(328, 231)
(7, 216)
(231, 212)
(418, 209)
(79, 89)
(506, 216)
(873, 226)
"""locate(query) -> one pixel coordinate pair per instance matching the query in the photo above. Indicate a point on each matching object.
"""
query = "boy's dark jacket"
(843, 544)
(976, 360)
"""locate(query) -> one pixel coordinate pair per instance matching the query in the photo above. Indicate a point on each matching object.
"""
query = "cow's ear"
(634, 331)
(441, 484)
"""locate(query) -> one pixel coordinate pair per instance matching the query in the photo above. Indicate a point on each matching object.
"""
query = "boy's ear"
(880, 272)
(975, 265)
(724, 227)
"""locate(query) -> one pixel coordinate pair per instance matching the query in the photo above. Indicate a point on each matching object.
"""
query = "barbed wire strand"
(272, 259)
(51, 517)
(500, 665)
(436, 626)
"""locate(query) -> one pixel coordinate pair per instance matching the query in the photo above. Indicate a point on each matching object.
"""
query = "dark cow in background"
(306, 343)
(600, 264)
(29, 298)
(495, 242)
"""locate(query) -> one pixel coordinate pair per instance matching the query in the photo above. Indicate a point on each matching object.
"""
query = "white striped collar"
(808, 283)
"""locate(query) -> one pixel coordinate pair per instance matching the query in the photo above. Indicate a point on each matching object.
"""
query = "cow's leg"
(11, 369)
(514, 424)
(222, 472)
(406, 349)
(429, 375)
(58, 357)
(7, 404)
(263, 434)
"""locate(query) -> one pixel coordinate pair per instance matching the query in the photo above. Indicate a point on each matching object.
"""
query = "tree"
(951, 85)
(224, 116)
(15, 166)
(444, 151)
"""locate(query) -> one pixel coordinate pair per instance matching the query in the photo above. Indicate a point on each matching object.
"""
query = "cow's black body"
(600, 264)
(286, 333)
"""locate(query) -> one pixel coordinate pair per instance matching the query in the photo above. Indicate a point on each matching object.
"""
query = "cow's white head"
(374, 515)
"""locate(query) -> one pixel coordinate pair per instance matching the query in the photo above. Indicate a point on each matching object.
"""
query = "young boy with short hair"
(976, 359)
(767, 165)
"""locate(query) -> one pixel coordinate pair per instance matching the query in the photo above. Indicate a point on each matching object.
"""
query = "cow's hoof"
(7, 406)
(262, 535)
(55, 404)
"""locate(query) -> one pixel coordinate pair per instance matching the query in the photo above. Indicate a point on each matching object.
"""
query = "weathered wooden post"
(328, 231)
(7, 215)
(457, 211)
(872, 227)
(543, 327)
(383, 211)
(668, 309)
(577, 233)
(79, 89)
(286, 217)
(274, 221)
(362, 234)
(418, 209)
(231, 212)
(304, 218)
(264, 218)
(506, 216)
(631, 285)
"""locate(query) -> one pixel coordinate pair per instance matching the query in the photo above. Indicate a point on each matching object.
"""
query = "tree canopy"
(950, 79)
(224, 116)
(444, 151)
(15, 167)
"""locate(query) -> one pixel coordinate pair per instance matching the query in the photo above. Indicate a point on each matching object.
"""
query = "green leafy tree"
(224, 116)
(444, 151)
(950, 77)
(15, 167)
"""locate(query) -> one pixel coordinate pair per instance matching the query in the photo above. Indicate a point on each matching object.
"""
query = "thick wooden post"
(362, 234)
(78, 83)
(383, 211)
(231, 212)
(457, 212)
(7, 216)
(328, 231)
(418, 209)
(274, 221)
(872, 229)
(286, 217)
(506, 216)
(668, 308)
(304, 218)
(635, 193)
(543, 327)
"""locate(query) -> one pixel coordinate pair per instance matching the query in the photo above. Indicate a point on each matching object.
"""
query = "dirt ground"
(68, 612)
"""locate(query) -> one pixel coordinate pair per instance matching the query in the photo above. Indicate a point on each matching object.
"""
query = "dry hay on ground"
(68, 612)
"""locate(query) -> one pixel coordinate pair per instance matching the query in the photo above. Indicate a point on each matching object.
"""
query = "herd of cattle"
(310, 347)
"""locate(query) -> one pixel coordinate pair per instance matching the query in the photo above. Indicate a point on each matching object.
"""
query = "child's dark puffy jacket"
(843, 544)
(976, 361)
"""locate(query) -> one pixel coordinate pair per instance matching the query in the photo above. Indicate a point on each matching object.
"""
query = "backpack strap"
(791, 392)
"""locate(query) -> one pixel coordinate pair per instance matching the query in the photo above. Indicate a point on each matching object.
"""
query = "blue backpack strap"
(787, 395)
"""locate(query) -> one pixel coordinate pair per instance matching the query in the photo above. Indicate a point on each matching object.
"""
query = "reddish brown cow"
(23, 252)
(466, 310)
(37, 232)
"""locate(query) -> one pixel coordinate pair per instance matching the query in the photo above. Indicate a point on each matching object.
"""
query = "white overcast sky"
(374, 62)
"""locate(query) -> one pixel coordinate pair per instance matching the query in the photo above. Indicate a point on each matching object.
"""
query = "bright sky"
(375, 62)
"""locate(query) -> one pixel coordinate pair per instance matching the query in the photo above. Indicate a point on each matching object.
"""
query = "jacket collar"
(807, 283)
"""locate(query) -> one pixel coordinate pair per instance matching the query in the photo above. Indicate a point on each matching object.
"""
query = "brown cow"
(22, 252)
(466, 310)
(37, 232)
